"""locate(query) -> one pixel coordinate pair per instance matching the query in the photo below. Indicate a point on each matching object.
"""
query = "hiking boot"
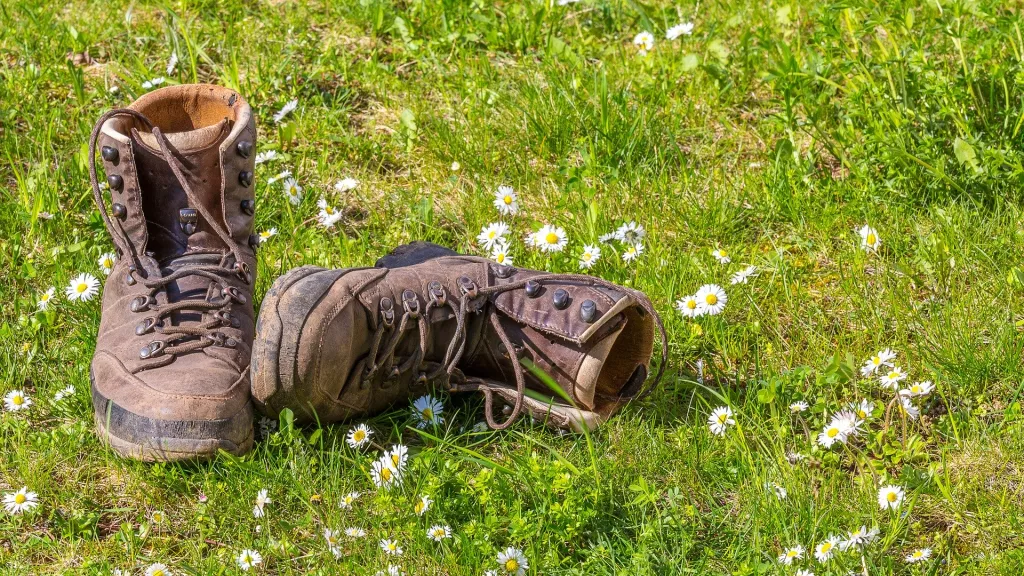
(338, 344)
(170, 376)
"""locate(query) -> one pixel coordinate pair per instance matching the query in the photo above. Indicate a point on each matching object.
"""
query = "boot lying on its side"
(338, 344)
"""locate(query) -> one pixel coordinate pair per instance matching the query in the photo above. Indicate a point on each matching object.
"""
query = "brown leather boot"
(338, 344)
(170, 377)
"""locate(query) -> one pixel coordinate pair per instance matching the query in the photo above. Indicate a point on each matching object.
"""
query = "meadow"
(864, 158)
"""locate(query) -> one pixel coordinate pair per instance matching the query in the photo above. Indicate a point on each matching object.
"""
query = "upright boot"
(170, 376)
(339, 344)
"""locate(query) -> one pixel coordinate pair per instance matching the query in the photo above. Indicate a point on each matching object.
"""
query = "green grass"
(774, 131)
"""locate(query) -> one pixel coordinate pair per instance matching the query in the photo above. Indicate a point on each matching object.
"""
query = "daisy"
(742, 276)
(107, 262)
(530, 240)
(869, 239)
(17, 400)
(859, 537)
(82, 288)
(798, 407)
(328, 215)
(285, 110)
(492, 235)
(355, 532)
(513, 561)
(834, 431)
(590, 255)
(644, 42)
(398, 455)
(826, 549)
(279, 176)
(267, 235)
(791, 554)
(632, 252)
(158, 517)
(172, 63)
(778, 490)
(711, 299)
(359, 436)
(348, 499)
(848, 421)
(455, 166)
(630, 233)
(720, 419)
(346, 184)
(883, 358)
(689, 307)
(150, 84)
(804, 572)
(890, 497)
(157, 570)
(918, 389)
(892, 378)
(550, 238)
(684, 29)
(383, 473)
(391, 570)
(45, 298)
(862, 409)
(390, 547)
(439, 532)
(606, 238)
(721, 255)
(423, 505)
(919, 555)
(427, 410)
(500, 254)
(266, 156)
(908, 408)
(506, 201)
(62, 394)
(248, 559)
(293, 191)
(566, 2)
(331, 536)
(261, 500)
(20, 501)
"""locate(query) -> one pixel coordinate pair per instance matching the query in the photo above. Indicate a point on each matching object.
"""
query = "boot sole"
(150, 440)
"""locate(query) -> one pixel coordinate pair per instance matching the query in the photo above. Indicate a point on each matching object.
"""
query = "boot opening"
(189, 107)
(627, 360)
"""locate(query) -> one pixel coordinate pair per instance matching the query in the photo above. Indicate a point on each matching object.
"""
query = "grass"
(774, 131)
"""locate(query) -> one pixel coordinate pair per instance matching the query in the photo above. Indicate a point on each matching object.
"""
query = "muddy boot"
(338, 344)
(170, 377)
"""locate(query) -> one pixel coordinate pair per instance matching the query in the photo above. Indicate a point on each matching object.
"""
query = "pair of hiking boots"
(181, 360)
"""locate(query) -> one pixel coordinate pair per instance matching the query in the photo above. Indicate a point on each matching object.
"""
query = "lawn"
(772, 131)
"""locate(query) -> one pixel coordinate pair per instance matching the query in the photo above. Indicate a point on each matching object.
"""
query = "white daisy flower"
(355, 532)
(280, 176)
(711, 299)
(427, 411)
(172, 63)
(721, 418)
(391, 570)
(777, 489)
(834, 431)
(422, 505)
(266, 156)
(346, 184)
(849, 422)
(20, 501)
(566, 2)
(513, 561)
(890, 497)
(550, 238)
(158, 517)
(742, 276)
(328, 215)
(790, 554)
(862, 409)
(632, 252)
(644, 42)
(492, 235)
(869, 239)
(500, 254)
(919, 555)
(892, 378)
(630, 233)
(106, 262)
(798, 407)
(348, 499)
(261, 501)
(44, 299)
(918, 389)
(506, 201)
(82, 288)
(590, 255)
(606, 238)
(883, 358)
(158, 569)
(398, 455)
(859, 538)
(908, 408)
(248, 559)
(383, 473)
(150, 84)
(17, 400)
(390, 547)
(825, 550)
(358, 436)
(439, 532)
(455, 167)
(285, 110)
(332, 538)
(684, 29)
(62, 394)
(803, 572)
(292, 191)
(267, 234)
(721, 255)
(689, 307)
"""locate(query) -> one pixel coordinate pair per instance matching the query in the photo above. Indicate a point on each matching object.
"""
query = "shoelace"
(180, 339)
(379, 359)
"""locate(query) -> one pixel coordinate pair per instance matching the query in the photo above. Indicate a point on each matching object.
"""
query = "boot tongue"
(192, 287)
(189, 141)
(591, 366)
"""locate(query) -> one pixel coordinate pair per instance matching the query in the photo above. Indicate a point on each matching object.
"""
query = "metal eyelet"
(141, 303)
(411, 304)
(437, 293)
(234, 294)
(560, 299)
(188, 219)
(245, 178)
(110, 154)
(421, 379)
(532, 288)
(242, 271)
(248, 206)
(119, 211)
(244, 148)
(226, 319)
(116, 182)
(153, 349)
(588, 311)
(387, 311)
(503, 270)
(145, 326)
(130, 276)
(467, 286)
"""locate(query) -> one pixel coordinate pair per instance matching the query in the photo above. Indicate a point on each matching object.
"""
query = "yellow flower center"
(359, 436)
(721, 254)
(791, 553)
(918, 554)
(876, 360)
(691, 304)
(392, 546)
(264, 235)
(507, 199)
(893, 375)
(511, 565)
(20, 499)
(862, 414)
(587, 256)
(722, 418)
(107, 263)
(158, 572)
(915, 388)
(551, 238)
(833, 432)
(491, 234)
(891, 496)
(17, 399)
(871, 239)
(438, 533)
(711, 299)
(826, 547)
(395, 459)
(427, 413)
(45, 297)
(419, 507)
(499, 258)
(82, 287)
(385, 473)
(329, 210)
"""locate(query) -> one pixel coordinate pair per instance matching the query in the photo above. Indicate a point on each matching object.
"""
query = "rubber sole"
(150, 440)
